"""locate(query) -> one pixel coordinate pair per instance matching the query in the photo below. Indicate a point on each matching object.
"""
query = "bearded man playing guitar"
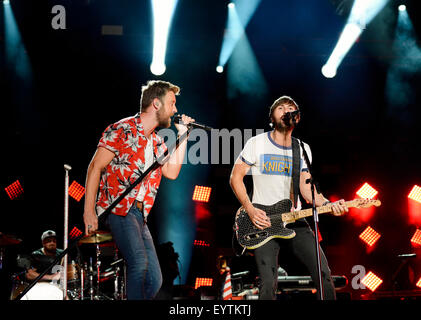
(269, 156)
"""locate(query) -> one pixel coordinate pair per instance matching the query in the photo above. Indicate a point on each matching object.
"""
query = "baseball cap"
(47, 234)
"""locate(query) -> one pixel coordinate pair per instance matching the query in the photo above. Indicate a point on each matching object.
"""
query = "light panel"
(371, 281)
(201, 193)
(415, 194)
(203, 282)
(76, 191)
(369, 236)
(367, 191)
(14, 190)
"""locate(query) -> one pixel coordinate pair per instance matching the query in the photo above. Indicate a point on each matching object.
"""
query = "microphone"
(177, 119)
(67, 167)
(291, 115)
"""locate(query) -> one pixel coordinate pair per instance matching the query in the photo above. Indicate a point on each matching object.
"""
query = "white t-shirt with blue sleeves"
(271, 168)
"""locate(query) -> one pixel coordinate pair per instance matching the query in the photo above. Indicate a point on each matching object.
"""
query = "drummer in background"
(43, 257)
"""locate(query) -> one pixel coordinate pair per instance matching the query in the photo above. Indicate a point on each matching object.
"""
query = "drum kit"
(98, 273)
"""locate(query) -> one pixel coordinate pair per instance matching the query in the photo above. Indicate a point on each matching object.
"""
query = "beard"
(50, 250)
(164, 120)
(280, 125)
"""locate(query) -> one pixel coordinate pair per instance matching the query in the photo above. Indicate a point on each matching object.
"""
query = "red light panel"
(416, 238)
(419, 283)
(415, 194)
(367, 191)
(201, 194)
(201, 243)
(76, 191)
(14, 190)
(203, 282)
(370, 236)
(75, 233)
(371, 281)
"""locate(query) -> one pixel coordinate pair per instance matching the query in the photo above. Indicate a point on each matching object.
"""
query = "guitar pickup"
(256, 235)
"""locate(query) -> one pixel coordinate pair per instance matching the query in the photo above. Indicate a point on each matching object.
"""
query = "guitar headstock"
(366, 203)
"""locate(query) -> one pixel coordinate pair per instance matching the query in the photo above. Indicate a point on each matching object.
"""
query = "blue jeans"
(135, 243)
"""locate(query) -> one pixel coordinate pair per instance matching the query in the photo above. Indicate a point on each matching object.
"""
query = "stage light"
(201, 194)
(371, 281)
(402, 7)
(369, 236)
(6, 2)
(239, 16)
(362, 13)
(349, 35)
(219, 69)
(416, 238)
(163, 11)
(415, 194)
(76, 191)
(329, 71)
(203, 282)
(418, 284)
(367, 191)
(201, 243)
(14, 190)
(75, 233)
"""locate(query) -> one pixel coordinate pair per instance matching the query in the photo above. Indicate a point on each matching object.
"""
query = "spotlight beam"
(239, 15)
(163, 11)
(362, 13)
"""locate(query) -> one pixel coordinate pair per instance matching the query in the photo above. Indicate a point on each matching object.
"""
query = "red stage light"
(14, 190)
(201, 194)
(367, 191)
(76, 191)
(203, 282)
(419, 283)
(75, 233)
(415, 194)
(370, 236)
(416, 238)
(201, 243)
(371, 281)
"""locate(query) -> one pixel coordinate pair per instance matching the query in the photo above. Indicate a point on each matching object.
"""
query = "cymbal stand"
(98, 272)
(82, 282)
(91, 279)
(117, 294)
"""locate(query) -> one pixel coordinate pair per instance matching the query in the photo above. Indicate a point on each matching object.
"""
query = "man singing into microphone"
(126, 149)
(270, 156)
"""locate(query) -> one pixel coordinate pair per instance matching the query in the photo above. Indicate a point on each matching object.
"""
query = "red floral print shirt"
(127, 141)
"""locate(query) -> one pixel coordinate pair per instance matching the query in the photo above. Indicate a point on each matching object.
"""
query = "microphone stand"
(159, 162)
(316, 223)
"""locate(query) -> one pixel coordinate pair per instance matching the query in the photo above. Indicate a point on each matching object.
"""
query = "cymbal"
(97, 237)
(7, 240)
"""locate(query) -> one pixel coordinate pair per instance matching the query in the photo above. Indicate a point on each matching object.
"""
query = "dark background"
(81, 81)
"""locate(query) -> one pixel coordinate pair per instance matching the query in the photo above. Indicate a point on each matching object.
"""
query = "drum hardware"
(85, 281)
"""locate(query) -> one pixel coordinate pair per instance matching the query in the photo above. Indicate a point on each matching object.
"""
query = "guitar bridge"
(256, 235)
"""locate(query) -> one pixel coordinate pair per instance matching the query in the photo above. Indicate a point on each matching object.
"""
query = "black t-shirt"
(40, 261)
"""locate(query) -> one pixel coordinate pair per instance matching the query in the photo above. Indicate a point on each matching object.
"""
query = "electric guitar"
(250, 237)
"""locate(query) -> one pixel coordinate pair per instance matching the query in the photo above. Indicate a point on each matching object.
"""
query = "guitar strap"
(296, 157)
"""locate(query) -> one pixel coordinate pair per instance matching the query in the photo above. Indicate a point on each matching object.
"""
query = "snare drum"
(44, 291)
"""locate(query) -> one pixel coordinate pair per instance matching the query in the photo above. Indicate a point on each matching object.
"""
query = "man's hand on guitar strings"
(259, 218)
(339, 207)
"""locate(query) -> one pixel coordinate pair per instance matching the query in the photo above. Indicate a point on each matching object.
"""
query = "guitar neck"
(292, 216)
